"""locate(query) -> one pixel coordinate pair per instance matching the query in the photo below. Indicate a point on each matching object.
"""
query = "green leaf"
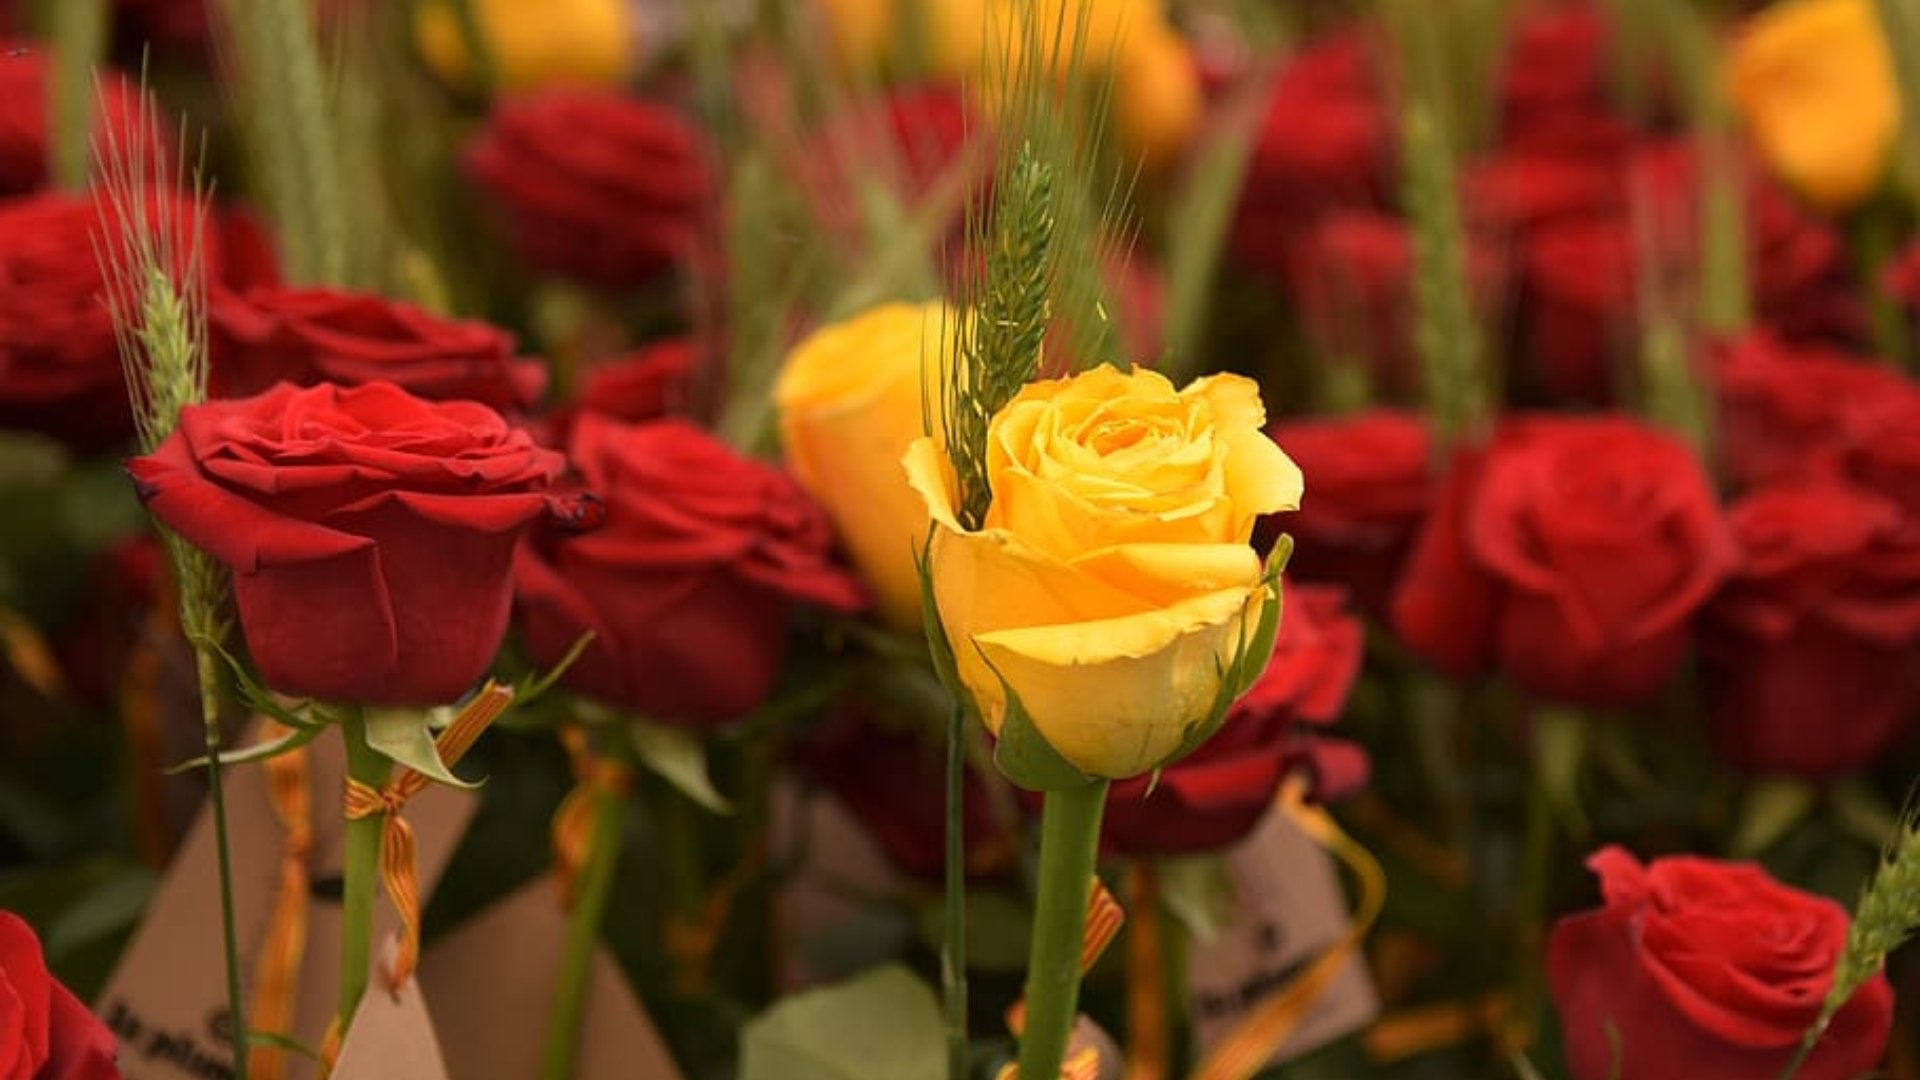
(679, 759)
(1771, 808)
(261, 751)
(111, 908)
(405, 736)
(1250, 657)
(1199, 892)
(285, 1042)
(881, 1026)
(937, 644)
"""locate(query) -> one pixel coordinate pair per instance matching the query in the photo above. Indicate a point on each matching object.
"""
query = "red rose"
(59, 362)
(1327, 141)
(1706, 970)
(1216, 795)
(1372, 484)
(651, 381)
(1557, 69)
(309, 336)
(1809, 648)
(168, 25)
(26, 143)
(893, 779)
(910, 140)
(45, 1033)
(1353, 287)
(593, 185)
(370, 533)
(1572, 553)
(688, 584)
(1789, 412)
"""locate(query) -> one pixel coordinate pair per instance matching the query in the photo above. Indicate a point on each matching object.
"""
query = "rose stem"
(953, 958)
(360, 870)
(590, 894)
(223, 857)
(1530, 914)
(1069, 849)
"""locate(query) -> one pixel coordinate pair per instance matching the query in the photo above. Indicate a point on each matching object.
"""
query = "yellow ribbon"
(1412, 1032)
(1263, 1031)
(1147, 1034)
(573, 822)
(277, 971)
(397, 862)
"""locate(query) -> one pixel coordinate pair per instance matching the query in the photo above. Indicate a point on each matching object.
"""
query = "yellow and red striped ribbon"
(573, 821)
(1104, 919)
(397, 862)
(277, 971)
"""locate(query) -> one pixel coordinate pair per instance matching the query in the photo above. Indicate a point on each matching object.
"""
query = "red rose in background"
(1327, 140)
(370, 533)
(1216, 795)
(1372, 484)
(688, 585)
(1706, 970)
(26, 70)
(168, 25)
(45, 1032)
(893, 779)
(1352, 281)
(308, 336)
(59, 362)
(593, 185)
(1809, 649)
(1572, 553)
(1557, 71)
(652, 381)
(1790, 412)
(911, 139)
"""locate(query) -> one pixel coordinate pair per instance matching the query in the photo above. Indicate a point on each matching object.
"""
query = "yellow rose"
(1111, 586)
(1815, 82)
(548, 43)
(848, 400)
(1156, 97)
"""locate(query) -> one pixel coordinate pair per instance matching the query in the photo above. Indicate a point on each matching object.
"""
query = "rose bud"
(45, 1032)
(1111, 588)
(1571, 553)
(849, 404)
(555, 43)
(1707, 970)
(370, 533)
(309, 336)
(688, 584)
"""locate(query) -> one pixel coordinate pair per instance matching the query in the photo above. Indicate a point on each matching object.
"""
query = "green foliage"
(880, 1026)
(680, 759)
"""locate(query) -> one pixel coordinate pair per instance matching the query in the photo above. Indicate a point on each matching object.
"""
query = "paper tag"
(1087, 1033)
(1291, 909)
(391, 1037)
(493, 979)
(840, 869)
(167, 999)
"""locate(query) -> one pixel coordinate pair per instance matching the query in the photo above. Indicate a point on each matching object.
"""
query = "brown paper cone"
(491, 982)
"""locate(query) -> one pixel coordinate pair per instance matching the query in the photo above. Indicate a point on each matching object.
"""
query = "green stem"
(79, 40)
(591, 892)
(360, 870)
(1874, 236)
(223, 856)
(686, 883)
(1530, 914)
(953, 958)
(1805, 1049)
(1069, 851)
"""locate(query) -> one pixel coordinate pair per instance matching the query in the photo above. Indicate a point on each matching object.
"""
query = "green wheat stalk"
(291, 134)
(1901, 24)
(149, 252)
(1886, 916)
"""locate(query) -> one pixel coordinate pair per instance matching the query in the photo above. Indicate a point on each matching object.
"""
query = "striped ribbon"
(398, 872)
(573, 831)
(276, 973)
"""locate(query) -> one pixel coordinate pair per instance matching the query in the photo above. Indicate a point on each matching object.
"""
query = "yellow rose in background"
(1815, 83)
(1112, 584)
(861, 32)
(848, 400)
(1156, 99)
(534, 43)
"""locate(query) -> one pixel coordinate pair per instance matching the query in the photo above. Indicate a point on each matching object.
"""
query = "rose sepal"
(1250, 657)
